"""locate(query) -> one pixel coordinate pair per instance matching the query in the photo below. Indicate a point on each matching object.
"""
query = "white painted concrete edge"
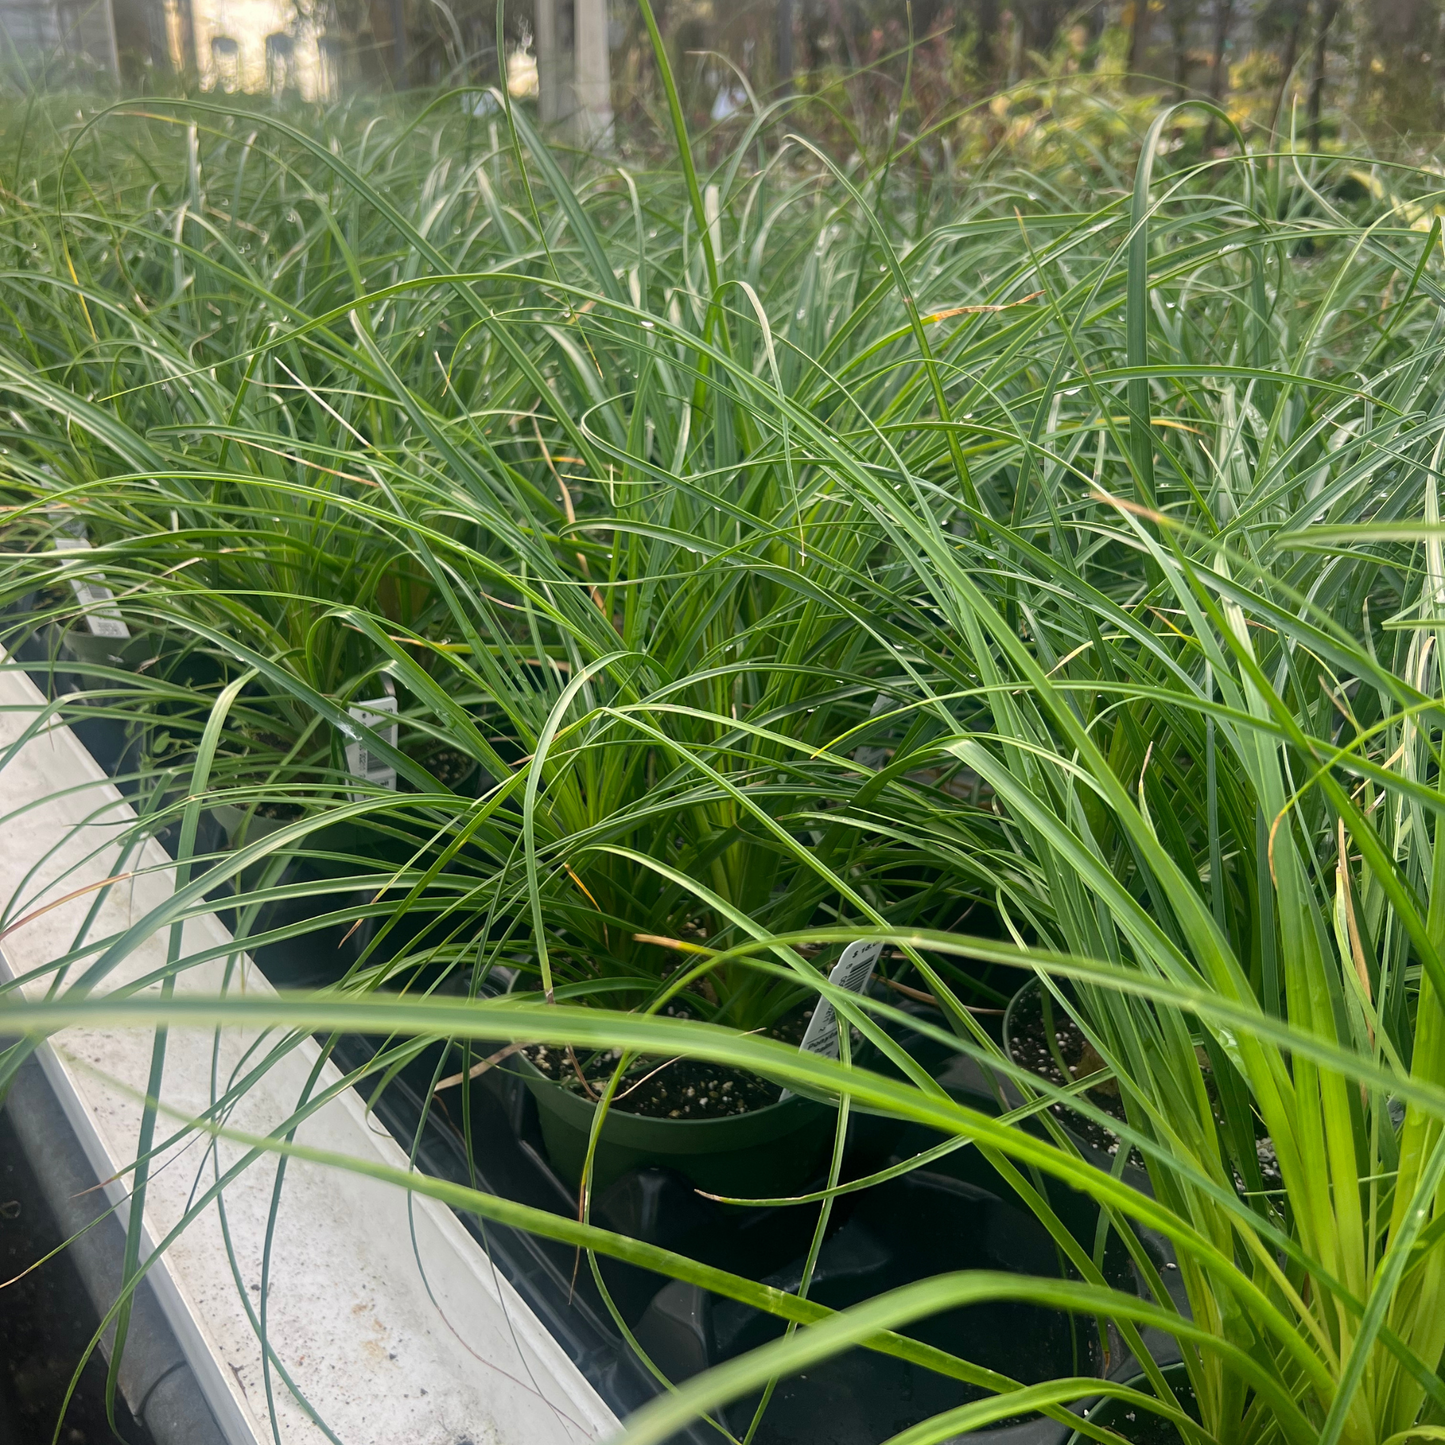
(390, 1318)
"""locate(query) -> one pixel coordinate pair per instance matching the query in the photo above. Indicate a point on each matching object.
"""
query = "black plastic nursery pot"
(319, 955)
(1140, 1426)
(242, 825)
(453, 769)
(63, 655)
(332, 850)
(1091, 1140)
(907, 1229)
(56, 643)
(93, 650)
(764, 1154)
(353, 836)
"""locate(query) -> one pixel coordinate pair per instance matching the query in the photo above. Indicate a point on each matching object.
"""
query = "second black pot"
(918, 1225)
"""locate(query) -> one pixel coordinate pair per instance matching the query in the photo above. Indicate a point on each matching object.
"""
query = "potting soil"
(668, 1088)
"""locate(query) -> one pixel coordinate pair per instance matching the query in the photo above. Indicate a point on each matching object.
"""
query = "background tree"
(1280, 25)
(1181, 14)
(1329, 9)
(1219, 64)
(1136, 18)
(1401, 38)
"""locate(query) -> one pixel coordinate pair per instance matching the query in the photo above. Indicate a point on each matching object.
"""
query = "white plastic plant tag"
(102, 616)
(854, 971)
(373, 713)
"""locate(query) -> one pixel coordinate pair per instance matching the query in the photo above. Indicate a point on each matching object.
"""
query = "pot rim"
(769, 1115)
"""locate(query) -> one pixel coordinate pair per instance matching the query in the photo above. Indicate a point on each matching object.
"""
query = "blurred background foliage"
(960, 74)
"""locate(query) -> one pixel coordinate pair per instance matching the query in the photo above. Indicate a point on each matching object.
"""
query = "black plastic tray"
(959, 1214)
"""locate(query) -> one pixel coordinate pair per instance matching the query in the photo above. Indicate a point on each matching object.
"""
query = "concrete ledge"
(385, 1311)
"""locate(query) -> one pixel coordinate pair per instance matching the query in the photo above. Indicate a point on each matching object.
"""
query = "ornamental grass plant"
(1040, 570)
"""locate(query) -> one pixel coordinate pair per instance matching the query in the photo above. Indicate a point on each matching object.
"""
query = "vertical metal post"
(554, 100)
(591, 75)
(114, 57)
(785, 46)
(398, 44)
(188, 60)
